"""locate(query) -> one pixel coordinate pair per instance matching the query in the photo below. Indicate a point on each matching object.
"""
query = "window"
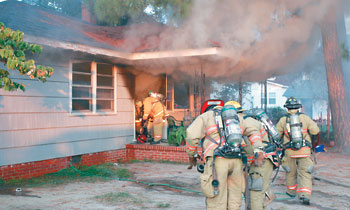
(177, 94)
(272, 98)
(93, 87)
(181, 95)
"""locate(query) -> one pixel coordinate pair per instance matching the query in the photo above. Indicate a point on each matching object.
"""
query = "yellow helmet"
(236, 105)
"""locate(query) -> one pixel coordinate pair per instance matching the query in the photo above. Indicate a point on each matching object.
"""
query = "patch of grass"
(114, 198)
(163, 205)
(67, 175)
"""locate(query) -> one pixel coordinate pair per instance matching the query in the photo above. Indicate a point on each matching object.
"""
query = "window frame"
(171, 83)
(272, 98)
(94, 87)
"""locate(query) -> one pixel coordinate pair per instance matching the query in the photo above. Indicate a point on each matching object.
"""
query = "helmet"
(292, 103)
(210, 104)
(236, 105)
(138, 103)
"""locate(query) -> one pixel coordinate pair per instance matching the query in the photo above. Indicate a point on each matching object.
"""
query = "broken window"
(93, 87)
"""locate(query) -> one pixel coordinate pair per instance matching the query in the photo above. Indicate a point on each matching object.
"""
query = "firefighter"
(138, 117)
(296, 128)
(259, 177)
(222, 181)
(155, 109)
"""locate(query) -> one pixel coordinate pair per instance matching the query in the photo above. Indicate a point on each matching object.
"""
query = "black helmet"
(292, 103)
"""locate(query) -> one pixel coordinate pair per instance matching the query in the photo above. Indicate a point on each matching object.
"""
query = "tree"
(335, 80)
(68, 7)
(121, 12)
(230, 91)
(13, 54)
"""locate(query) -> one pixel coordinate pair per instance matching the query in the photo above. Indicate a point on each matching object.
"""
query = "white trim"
(208, 51)
(93, 85)
(94, 111)
(115, 73)
(70, 78)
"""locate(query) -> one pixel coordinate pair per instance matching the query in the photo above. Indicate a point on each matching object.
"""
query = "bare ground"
(136, 196)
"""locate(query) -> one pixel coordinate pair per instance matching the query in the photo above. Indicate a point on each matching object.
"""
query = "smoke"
(260, 38)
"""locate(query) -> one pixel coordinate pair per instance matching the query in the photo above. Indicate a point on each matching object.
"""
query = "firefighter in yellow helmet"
(259, 177)
(153, 108)
(219, 132)
(296, 128)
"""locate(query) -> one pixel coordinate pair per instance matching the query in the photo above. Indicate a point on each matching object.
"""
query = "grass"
(163, 205)
(68, 175)
(114, 198)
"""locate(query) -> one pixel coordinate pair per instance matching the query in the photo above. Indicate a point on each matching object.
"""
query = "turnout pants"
(231, 184)
(299, 178)
(157, 128)
(259, 183)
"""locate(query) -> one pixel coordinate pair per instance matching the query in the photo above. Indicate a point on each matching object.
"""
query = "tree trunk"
(265, 93)
(240, 93)
(335, 80)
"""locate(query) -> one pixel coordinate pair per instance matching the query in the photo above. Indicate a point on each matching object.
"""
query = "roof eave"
(183, 53)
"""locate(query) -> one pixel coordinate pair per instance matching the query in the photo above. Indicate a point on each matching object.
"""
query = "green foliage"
(345, 52)
(229, 91)
(177, 135)
(120, 12)
(13, 54)
(163, 205)
(275, 114)
(113, 198)
(81, 173)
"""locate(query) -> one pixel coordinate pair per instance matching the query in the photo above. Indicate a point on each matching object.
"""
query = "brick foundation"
(131, 152)
(39, 168)
(156, 152)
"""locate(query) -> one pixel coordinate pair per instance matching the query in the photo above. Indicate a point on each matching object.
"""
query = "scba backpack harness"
(294, 129)
(229, 130)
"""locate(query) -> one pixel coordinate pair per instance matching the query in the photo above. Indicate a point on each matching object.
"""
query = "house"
(85, 111)
(275, 94)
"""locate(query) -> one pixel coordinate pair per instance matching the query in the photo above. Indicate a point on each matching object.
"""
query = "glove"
(193, 162)
(259, 159)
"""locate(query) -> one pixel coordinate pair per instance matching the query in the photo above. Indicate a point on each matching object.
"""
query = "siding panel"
(43, 152)
(25, 138)
(37, 88)
(60, 120)
(124, 92)
(20, 104)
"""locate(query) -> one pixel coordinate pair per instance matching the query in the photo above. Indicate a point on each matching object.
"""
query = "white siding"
(37, 124)
(254, 100)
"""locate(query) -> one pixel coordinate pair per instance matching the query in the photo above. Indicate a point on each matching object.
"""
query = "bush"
(275, 114)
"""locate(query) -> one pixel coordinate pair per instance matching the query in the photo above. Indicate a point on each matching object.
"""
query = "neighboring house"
(275, 97)
(311, 91)
(87, 106)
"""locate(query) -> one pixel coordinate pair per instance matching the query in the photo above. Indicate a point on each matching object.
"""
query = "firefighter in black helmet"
(296, 129)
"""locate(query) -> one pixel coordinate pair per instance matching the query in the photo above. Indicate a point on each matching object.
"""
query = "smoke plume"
(261, 38)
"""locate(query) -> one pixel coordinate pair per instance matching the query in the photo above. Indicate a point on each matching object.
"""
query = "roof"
(39, 22)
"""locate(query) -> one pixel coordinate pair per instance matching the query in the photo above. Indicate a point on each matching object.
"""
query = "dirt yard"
(129, 195)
